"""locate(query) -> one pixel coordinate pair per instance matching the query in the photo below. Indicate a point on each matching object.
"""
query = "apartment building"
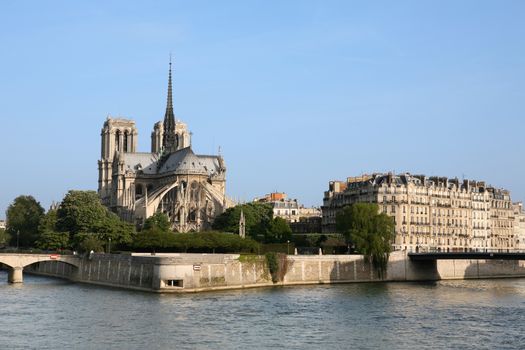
(431, 213)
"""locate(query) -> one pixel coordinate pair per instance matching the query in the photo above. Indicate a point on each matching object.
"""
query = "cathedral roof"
(184, 161)
(147, 162)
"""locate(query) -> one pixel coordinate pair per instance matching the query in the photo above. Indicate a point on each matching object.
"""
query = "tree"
(158, 220)
(48, 221)
(258, 218)
(111, 227)
(48, 237)
(4, 238)
(52, 240)
(370, 231)
(80, 211)
(278, 232)
(23, 218)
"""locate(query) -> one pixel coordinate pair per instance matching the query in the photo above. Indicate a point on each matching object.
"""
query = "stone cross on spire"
(169, 138)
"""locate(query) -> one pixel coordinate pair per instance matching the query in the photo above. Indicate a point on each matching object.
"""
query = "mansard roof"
(390, 179)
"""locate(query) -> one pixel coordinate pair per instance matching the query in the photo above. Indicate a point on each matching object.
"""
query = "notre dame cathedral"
(188, 188)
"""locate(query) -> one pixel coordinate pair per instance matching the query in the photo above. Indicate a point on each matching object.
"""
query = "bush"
(277, 265)
(283, 248)
(155, 239)
(86, 242)
(158, 220)
(273, 265)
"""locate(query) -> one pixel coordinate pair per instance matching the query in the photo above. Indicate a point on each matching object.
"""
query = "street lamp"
(109, 245)
(288, 247)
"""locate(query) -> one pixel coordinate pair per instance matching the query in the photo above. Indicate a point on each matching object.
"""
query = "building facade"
(431, 213)
(288, 209)
(519, 226)
(172, 179)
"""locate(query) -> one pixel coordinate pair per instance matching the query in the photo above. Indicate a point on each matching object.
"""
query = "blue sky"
(296, 93)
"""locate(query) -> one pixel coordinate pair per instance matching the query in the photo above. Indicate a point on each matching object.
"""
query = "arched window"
(117, 140)
(139, 191)
(125, 146)
(194, 191)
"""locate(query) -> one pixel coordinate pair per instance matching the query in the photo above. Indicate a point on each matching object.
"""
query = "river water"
(47, 313)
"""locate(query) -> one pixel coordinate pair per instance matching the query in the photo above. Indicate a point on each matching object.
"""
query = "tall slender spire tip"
(169, 137)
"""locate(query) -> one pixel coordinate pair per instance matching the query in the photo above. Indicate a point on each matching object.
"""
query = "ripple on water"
(48, 313)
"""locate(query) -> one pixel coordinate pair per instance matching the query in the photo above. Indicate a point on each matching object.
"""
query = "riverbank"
(175, 273)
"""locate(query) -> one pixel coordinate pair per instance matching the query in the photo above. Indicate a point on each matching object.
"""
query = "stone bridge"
(466, 256)
(16, 263)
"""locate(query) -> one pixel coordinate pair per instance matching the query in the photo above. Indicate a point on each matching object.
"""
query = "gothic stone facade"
(172, 179)
(431, 213)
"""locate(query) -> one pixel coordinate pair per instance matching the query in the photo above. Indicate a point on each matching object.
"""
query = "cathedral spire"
(169, 139)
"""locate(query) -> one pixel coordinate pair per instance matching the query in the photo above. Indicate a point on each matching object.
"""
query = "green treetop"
(260, 223)
(81, 213)
(159, 221)
(23, 218)
(48, 237)
(257, 217)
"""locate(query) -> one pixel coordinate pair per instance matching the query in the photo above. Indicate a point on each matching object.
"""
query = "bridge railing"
(426, 249)
(14, 250)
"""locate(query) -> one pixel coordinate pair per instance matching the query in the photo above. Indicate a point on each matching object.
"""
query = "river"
(48, 313)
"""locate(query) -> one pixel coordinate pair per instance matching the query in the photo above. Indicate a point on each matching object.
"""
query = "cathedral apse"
(189, 188)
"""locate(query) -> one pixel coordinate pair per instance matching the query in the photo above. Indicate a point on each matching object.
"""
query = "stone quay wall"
(113, 270)
(205, 272)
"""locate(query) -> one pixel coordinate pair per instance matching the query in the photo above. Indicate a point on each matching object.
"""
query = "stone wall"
(467, 269)
(112, 270)
(202, 272)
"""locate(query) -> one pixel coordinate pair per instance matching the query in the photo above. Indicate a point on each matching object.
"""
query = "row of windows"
(433, 202)
(291, 204)
(501, 204)
(424, 211)
(440, 241)
(125, 138)
(427, 192)
(285, 212)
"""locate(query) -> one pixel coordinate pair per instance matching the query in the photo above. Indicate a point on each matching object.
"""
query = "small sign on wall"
(197, 267)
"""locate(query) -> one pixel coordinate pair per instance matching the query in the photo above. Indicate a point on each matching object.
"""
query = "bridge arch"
(16, 263)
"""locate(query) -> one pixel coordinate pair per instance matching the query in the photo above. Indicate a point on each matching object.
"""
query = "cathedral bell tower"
(118, 136)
